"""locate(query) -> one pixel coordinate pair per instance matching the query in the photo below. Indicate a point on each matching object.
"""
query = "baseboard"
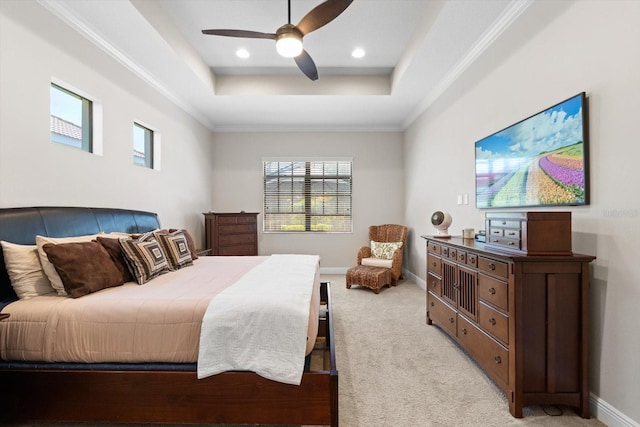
(609, 415)
(333, 270)
(417, 280)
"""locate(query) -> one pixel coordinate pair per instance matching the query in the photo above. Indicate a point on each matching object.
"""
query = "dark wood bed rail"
(174, 396)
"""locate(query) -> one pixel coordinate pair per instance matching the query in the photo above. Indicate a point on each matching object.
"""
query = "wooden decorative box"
(530, 233)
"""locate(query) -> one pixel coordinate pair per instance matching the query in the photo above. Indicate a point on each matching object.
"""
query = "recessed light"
(358, 53)
(242, 53)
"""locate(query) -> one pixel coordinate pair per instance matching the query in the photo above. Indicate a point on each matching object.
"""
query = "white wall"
(554, 51)
(36, 47)
(377, 185)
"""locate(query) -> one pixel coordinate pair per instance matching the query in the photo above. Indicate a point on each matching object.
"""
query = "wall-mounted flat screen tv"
(539, 161)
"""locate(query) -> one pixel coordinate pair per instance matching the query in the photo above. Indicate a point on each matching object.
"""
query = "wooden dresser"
(523, 318)
(231, 233)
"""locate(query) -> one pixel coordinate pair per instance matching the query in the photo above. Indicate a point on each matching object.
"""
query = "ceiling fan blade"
(322, 14)
(241, 33)
(306, 65)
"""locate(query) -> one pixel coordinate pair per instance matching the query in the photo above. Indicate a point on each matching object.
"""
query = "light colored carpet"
(396, 371)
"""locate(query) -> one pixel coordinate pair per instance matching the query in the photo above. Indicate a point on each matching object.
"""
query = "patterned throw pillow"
(384, 250)
(145, 257)
(176, 248)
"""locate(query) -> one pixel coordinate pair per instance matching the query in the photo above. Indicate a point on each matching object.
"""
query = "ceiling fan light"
(289, 46)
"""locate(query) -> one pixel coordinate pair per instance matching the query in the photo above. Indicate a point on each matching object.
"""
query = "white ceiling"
(414, 50)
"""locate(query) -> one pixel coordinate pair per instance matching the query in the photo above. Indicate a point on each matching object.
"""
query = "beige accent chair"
(386, 233)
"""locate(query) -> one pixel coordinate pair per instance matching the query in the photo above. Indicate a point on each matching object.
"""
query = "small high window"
(71, 119)
(142, 146)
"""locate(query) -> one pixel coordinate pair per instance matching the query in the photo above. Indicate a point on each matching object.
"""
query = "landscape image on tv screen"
(539, 161)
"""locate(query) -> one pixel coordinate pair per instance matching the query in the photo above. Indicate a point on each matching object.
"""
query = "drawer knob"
(510, 243)
(451, 320)
(492, 321)
(492, 266)
(473, 260)
(492, 291)
(464, 331)
(433, 304)
(433, 264)
(497, 359)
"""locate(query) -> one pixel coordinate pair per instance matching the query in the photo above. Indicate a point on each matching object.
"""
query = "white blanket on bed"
(260, 323)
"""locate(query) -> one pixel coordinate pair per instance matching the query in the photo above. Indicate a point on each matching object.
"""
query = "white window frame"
(156, 141)
(95, 117)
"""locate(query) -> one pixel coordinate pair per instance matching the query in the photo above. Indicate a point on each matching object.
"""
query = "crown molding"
(64, 13)
(508, 16)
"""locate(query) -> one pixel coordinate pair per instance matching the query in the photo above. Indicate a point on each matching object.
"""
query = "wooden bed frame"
(158, 395)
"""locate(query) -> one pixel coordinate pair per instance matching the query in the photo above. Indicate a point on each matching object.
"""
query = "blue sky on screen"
(556, 127)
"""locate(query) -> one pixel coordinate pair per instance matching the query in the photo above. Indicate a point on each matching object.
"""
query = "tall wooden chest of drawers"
(523, 318)
(231, 233)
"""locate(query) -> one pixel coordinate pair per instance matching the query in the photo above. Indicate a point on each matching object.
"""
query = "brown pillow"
(115, 251)
(84, 267)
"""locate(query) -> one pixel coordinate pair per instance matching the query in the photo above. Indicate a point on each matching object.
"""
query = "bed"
(153, 391)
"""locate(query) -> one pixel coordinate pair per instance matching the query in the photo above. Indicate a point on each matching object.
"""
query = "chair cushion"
(377, 262)
(384, 250)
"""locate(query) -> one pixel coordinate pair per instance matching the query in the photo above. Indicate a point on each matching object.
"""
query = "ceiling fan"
(289, 37)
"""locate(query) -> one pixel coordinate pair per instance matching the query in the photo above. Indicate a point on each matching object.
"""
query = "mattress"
(159, 321)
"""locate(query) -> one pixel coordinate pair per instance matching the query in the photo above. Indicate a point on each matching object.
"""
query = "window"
(71, 119)
(307, 196)
(142, 146)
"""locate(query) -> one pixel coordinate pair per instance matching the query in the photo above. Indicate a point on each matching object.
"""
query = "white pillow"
(25, 271)
(49, 269)
(377, 262)
(384, 250)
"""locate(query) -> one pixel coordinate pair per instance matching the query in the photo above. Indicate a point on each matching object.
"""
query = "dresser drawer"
(434, 248)
(236, 239)
(453, 254)
(236, 229)
(512, 234)
(502, 223)
(493, 267)
(507, 243)
(237, 250)
(491, 356)
(434, 264)
(241, 219)
(494, 322)
(434, 284)
(462, 257)
(440, 313)
(493, 291)
(472, 260)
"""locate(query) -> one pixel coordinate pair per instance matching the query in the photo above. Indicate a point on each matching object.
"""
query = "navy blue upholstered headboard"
(21, 225)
